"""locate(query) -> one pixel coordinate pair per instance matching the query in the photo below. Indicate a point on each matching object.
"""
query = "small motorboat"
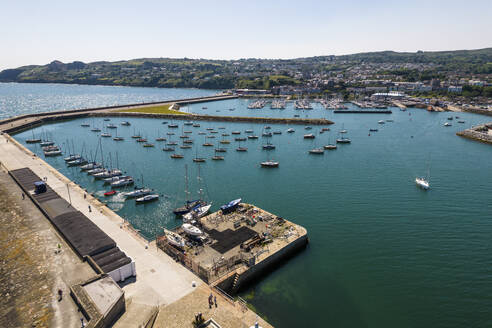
(231, 206)
(380, 122)
(291, 130)
(137, 193)
(110, 193)
(447, 124)
(373, 130)
(269, 164)
(309, 136)
(317, 151)
(125, 123)
(147, 198)
(253, 137)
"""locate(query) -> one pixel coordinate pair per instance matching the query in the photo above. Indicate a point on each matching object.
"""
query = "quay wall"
(259, 269)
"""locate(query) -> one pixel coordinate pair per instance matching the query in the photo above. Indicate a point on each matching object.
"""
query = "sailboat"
(33, 139)
(189, 205)
(191, 230)
(198, 159)
(202, 208)
(174, 239)
(118, 138)
(423, 182)
(239, 148)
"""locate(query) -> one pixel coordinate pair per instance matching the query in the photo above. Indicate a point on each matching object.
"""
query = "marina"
(341, 224)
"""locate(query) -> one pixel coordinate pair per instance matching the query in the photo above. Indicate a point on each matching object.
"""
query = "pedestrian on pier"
(85, 195)
(210, 301)
(60, 295)
(215, 301)
(90, 209)
(23, 196)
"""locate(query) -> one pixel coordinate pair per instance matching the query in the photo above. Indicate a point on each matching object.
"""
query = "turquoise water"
(26, 98)
(382, 252)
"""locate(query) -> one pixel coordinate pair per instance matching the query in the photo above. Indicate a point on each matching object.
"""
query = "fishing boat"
(269, 164)
(309, 136)
(231, 206)
(191, 229)
(317, 151)
(176, 156)
(126, 123)
(147, 198)
(422, 183)
(122, 183)
(174, 239)
(139, 192)
(110, 193)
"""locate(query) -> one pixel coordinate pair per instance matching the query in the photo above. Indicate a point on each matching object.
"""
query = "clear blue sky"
(37, 32)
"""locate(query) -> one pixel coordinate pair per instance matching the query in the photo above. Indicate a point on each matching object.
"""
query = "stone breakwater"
(195, 117)
(482, 133)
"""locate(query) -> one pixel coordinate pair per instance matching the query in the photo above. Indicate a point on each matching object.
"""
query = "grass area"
(161, 109)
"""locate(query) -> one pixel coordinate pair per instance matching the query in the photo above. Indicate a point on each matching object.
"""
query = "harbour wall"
(235, 282)
(214, 118)
(478, 133)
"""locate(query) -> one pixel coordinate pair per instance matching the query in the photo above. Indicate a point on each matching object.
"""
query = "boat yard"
(236, 246)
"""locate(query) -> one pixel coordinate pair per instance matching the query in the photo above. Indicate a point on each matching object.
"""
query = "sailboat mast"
(186, 183)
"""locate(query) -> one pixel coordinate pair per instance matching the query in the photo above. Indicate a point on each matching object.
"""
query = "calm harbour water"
(382, 252)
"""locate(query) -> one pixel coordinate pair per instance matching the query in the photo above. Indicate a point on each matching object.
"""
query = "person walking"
(90, 210)
(210, 301)
(215, 301)
(23, 196)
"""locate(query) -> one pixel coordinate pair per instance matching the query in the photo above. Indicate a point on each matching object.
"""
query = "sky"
(38, 32)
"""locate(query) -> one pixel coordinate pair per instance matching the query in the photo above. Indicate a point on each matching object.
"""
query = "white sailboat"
(174, 239)
(191, 229)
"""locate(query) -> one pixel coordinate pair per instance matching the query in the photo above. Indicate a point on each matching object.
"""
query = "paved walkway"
(160, 280)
